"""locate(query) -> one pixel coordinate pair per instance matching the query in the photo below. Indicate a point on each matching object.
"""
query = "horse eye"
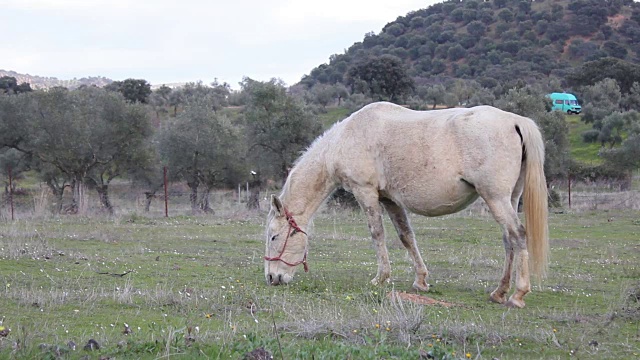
(274, 237)
(293, 232)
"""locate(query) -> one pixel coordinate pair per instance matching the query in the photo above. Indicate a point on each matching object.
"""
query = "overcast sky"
(167, 41)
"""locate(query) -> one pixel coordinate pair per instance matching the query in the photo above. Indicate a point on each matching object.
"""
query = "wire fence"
(38, 201)
(126, 199)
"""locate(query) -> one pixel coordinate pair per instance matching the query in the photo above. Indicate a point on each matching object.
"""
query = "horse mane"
(314, 152)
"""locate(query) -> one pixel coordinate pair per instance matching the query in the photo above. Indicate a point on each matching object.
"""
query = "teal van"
(565, 102)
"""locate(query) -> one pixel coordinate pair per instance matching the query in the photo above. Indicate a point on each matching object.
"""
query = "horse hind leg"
(369, 202)
(400, 221)
(515, 252)
(499, 294)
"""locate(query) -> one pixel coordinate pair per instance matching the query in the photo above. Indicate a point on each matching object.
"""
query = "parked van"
(565, 102)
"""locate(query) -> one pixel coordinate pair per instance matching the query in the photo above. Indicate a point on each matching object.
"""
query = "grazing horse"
(430, 163)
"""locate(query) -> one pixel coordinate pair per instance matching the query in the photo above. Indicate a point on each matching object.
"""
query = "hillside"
(498, 41)
(42, 82)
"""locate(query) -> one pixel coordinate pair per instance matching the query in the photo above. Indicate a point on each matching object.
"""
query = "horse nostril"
(269, 279)
(280, 279)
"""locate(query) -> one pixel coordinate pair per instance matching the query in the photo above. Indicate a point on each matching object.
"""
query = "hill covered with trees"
(498, 42)
(45, 82)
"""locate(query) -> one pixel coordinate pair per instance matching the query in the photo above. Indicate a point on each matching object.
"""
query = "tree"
(436, 94)
(476, 29)
(600, 100)
(323, 94)
(86, 136)
(9, 85)
(201, 147)
(627, 156)
(505, 15)
(278, 127)
(159, 99)
(134, 90)
(631, 101)
(615, 49)
(623, 72)
(176, 98)
(384, 78)
(456, 52)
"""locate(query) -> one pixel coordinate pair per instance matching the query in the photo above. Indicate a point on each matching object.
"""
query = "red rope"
(292, 226)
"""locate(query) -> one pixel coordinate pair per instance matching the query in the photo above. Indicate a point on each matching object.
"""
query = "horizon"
(166, 43)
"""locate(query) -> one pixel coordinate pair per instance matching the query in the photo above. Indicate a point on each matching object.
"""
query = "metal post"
(11, 193)
(166, 194)
(569, 183)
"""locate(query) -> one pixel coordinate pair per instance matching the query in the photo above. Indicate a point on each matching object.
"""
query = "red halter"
(292, 226)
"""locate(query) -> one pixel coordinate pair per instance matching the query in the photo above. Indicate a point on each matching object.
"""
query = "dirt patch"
(419, 299)
(616, 21)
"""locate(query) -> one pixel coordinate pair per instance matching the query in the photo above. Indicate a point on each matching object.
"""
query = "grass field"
(194, 287)
(584, 152)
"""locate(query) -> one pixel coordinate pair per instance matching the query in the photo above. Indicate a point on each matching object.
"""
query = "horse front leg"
(400, 221)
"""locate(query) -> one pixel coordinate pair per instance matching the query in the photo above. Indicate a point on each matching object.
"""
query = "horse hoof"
(513, 303)
(421, 286)
(497, 298)
(377, 282)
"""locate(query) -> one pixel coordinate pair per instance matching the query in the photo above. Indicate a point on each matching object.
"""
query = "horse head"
(286, 245)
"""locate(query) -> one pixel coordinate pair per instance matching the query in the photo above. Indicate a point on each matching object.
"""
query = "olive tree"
(201, 147)
(87, 136)
(278, 127)
(383, 78)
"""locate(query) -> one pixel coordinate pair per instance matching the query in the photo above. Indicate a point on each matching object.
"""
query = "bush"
(590, 136)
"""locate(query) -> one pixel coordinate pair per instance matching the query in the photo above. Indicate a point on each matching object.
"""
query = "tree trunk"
(193, 197)
(254, 194)
(58, 193)
(79, 203)
(204, 201)
(103, 192)
(149, 195)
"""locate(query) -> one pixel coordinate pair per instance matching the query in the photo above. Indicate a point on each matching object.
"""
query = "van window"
(558, 101)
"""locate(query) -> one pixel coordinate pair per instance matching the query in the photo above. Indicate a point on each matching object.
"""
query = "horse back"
(428, 157)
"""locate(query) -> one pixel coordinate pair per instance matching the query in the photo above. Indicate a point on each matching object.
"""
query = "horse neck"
(306, 188)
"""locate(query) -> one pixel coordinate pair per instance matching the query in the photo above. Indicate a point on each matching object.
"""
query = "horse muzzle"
(278, 279)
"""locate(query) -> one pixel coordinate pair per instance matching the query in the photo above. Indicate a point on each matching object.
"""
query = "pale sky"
(167, 41)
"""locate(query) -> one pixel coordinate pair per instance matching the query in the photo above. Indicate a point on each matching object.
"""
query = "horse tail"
(535, 199)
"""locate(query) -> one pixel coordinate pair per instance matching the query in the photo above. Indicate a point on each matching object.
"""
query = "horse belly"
(438, 199)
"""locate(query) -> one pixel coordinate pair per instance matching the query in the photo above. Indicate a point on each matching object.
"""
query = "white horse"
(430, 163)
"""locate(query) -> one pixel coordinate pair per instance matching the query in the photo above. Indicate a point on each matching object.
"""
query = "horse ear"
(277, 206)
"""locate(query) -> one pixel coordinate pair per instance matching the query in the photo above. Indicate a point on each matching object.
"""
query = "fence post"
(166, 194)
(569, 186)
(11, 193)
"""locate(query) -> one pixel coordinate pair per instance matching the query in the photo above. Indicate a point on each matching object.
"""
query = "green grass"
(581, 151)
(333, 115)
(197, 289)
